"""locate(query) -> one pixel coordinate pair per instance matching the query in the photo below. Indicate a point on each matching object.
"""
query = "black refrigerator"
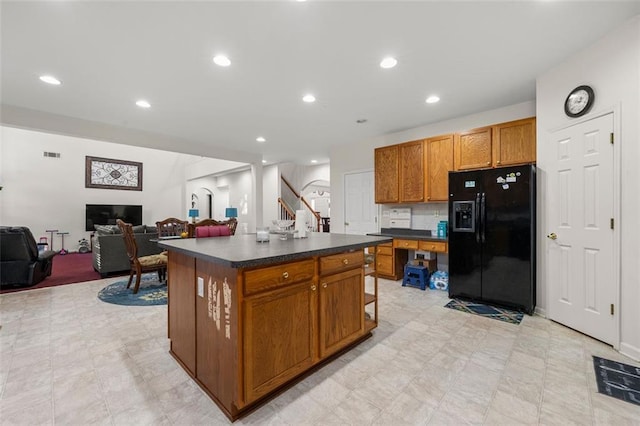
(492, 230)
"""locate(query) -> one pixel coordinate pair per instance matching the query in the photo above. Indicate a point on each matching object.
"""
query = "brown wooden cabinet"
(181, 312)
(279, 337)
(419, 171)
(433, 246)
(438, 160)
(472, 149)
(387, 162)
(389, 262)
(340, 323)
(412, 172)
(514, 142)
(392, 257)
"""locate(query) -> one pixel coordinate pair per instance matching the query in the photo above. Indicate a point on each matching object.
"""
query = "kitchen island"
(247, 319)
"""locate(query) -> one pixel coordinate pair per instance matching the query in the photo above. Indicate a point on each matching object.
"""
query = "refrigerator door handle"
(483, 216)
(477, 218)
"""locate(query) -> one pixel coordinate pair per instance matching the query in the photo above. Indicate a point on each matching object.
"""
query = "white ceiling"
(474, 55)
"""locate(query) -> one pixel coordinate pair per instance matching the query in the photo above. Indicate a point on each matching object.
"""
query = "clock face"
(579, 101)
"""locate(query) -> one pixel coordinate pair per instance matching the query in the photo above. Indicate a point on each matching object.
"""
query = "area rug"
(618, 380)
(488, 311)
(66, 269)
(151, 292)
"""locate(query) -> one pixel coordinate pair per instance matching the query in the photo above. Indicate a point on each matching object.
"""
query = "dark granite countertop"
(242, 251)
(408, 234)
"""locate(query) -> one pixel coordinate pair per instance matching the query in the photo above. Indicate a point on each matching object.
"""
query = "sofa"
(109, 253)
(20, 262)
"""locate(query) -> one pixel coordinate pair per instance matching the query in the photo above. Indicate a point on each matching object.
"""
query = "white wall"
(230, 190)
(49, 193)
(612, 67)
(240, 187)
(357, 157)
(270, 193)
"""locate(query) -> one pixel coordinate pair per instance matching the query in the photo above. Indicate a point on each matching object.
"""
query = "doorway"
(360, 209)
(582, 274)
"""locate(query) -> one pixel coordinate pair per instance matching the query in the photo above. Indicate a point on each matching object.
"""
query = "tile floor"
(69, 359)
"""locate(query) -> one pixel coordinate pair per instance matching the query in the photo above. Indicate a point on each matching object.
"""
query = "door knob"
(552, 236)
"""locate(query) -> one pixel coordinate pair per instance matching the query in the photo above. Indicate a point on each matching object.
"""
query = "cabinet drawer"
(277, 276)
(406, 244)
(385, 250)
(433, 246)
(341, 262)
(384, 265)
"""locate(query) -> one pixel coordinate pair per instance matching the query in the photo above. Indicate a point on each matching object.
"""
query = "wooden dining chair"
(140, 265)
(171, 227)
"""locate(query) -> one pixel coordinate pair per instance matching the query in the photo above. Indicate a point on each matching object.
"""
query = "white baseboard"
(630, 351)
(540, 312)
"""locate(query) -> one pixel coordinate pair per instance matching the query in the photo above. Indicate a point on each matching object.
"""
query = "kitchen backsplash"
(423, 216)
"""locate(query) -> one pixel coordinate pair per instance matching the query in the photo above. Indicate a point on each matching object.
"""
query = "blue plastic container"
(442, 229)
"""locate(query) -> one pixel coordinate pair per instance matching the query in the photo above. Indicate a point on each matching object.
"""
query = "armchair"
(20, 262)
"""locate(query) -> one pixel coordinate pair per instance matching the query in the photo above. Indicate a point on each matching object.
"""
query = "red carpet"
(67, 269)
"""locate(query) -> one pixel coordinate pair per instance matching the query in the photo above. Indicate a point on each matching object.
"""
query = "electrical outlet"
(200, 286)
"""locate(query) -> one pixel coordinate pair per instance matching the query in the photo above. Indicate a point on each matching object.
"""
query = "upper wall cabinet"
(438, 158)
(514, 142)
(472, 149)
(419, 171)
(411, 172)
(387, 174)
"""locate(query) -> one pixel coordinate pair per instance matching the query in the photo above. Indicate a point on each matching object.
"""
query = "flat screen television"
(106, 214)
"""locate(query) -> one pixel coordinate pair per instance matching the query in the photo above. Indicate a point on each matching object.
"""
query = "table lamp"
(193, 213)
(231, 212)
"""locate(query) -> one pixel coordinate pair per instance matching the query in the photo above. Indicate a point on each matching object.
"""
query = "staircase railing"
(316, 220)
(285, 211)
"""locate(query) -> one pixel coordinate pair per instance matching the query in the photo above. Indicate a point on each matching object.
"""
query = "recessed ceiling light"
(314, 161)
(309, 98)
(260, 139)
(388, 62)
(432, 99)
(221, 60)
(264, 161)
(50, 79)
(143, 104)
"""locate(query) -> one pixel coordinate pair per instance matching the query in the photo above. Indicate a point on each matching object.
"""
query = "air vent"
(52, 154)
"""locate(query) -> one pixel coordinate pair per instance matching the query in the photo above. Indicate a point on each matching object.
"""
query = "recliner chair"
(20, 262)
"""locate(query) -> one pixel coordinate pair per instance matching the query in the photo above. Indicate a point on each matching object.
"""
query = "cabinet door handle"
(313, 287)
(345, 261)
(285, 275)
(324, 285)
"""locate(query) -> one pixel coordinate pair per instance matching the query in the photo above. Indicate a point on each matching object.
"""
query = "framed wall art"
(107, 173)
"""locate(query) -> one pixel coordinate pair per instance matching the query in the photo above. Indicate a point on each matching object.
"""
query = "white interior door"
(581, 273)
(361, 212)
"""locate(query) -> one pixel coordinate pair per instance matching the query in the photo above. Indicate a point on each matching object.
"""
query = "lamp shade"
(193, 212)
(231, 212)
